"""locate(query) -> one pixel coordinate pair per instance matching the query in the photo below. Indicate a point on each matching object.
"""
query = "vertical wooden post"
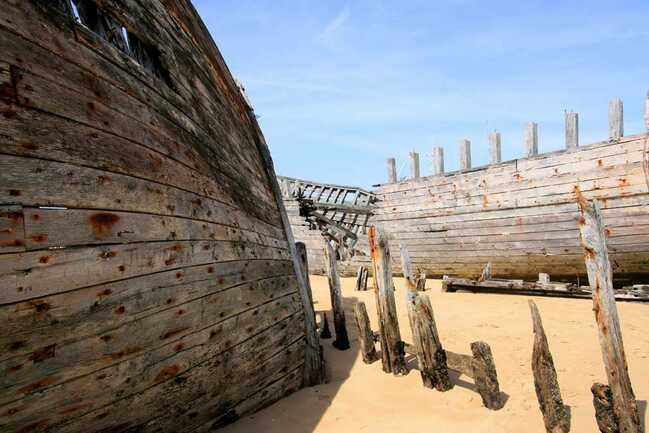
(593, 239)
(494, 147)
(438, 160)
(544, 278)
(414, 165)
(314, 372)
(465, 154)
(342, 340)
(392, 170)
(555, 414)
(325, 333)
(615, 119)
(392, 348)
(532, 139)
(365, 334)
(486, 379)
(572, 130)
(359, 278)
(428, 347)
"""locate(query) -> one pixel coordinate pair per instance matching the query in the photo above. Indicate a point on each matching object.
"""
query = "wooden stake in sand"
(603, 402)
(486, 379)
(361, 278)
(600, 277)
(555, 414)
(325, 333)
(392, 348)
(365, 334)
(342, 340)
(428, 347)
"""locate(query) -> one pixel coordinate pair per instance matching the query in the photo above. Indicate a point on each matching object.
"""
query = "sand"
(361, 398)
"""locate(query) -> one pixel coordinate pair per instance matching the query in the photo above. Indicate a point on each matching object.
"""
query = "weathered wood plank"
(392, 351)
(486, 379)
(365, 334)
(555, 415)
(337, 307)
(603, 403)
(600, 277)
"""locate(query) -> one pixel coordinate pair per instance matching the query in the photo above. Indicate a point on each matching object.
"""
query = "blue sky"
(341, 86)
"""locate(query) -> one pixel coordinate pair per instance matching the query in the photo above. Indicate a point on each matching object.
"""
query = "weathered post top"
(494, 147)
(414, 165)
(438, 160)
(392, 170)
(615, 119)
(465, 154)
(532, 139)
(572, 130)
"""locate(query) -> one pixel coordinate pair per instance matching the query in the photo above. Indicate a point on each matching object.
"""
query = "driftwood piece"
(486, 379)
(555, 414)
(392, 350)
(598, 266)
(428, 347)
(325, 332)
(342, 340)
(603, 403)
(365, 334)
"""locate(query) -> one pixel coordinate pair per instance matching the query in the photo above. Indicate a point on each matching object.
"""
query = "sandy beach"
(361, 398)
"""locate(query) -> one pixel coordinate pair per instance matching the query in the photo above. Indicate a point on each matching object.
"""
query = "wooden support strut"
(532, 139)
(465, 154)
(365, 334)
(598, 266)
(392, 350)
(428, 346)
(555, 415)
(342, 340)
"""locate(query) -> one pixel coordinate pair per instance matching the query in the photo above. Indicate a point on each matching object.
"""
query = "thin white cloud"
(329, 35)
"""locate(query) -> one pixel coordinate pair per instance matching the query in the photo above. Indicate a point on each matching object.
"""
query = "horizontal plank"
(29, 326)
(180, 371)
(31, 275)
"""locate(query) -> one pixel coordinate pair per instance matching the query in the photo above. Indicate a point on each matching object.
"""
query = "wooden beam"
(465, 154)
(365, 334)
(486, 379)
(342, 340)
(494, 147)
(548, 393)
(532, 139)
(615, 119)
(603, 403)
(392, 170)
(438, 160)
(600, 277)
(428, 347)
(572, 130)
(414, 165)
(392, 352)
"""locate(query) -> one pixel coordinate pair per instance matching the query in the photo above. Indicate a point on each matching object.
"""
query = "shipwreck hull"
(146, 282)
(520, 215)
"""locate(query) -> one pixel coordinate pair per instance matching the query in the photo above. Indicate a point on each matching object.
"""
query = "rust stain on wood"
(102, 223)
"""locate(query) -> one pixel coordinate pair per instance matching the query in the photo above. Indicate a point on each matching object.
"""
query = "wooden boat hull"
(146, 282)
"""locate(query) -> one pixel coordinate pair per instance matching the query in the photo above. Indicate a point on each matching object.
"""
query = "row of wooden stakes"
(615, 405)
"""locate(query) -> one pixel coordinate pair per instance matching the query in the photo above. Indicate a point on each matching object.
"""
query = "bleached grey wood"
(337, 306)
(532, 139)
(544, 278)
(392, 347)
(392, 170)
(572, 129)
(465, 154)
(598, 266)
(428, 346)
(438, 160)
(494, 148)
(414, 165)
(615, 119)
